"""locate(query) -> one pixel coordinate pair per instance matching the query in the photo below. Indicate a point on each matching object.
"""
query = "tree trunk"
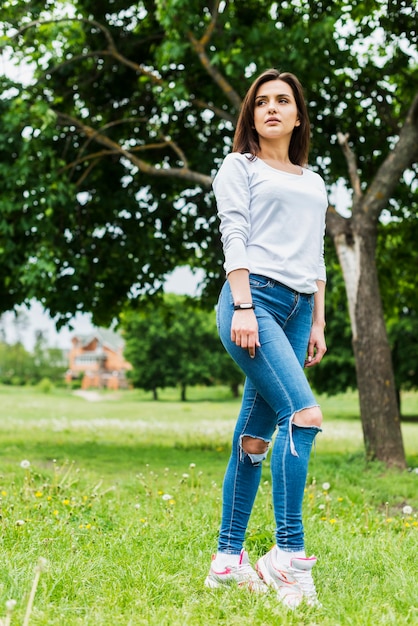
(375, 380)
(183, 392)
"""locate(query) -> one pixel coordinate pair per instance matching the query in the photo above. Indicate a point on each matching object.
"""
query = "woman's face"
(275, 110)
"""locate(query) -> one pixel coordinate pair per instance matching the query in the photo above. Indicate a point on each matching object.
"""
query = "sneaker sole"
(213, 583)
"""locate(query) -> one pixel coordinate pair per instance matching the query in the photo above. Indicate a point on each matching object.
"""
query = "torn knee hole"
(252, 445)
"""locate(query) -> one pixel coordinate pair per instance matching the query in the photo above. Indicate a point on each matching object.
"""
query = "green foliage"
(403, 335)
(170, 342)
(45, 366)
(45, 385)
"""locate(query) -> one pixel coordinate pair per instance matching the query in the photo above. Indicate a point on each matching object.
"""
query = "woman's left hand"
(316, 346)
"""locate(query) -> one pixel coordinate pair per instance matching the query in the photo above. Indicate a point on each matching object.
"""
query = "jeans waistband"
(277, 283)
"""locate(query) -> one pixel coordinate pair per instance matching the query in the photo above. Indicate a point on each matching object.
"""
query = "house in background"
(97, 358)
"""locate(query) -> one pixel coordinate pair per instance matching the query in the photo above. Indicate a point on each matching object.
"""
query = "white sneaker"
(241, 574)
(292, 582)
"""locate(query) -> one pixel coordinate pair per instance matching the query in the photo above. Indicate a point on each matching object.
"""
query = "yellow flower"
(333, 521)
(340, 499)
(4, 493)
(66, 501)
(38, 494)
(49, 498)
(56, 512)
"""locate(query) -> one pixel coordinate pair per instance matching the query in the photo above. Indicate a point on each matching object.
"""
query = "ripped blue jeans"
(275, 389)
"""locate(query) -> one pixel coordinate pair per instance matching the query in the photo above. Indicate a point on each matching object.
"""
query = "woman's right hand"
(244, 330)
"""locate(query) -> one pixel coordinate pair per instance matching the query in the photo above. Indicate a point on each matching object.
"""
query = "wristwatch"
(244, 306)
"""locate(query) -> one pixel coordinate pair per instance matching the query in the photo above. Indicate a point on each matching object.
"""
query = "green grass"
(119, 553)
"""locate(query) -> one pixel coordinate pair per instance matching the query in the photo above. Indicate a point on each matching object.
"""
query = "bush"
(45, 385)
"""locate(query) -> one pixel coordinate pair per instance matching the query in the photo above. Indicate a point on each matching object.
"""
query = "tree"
(135, 107)
(20, 367)
(172, 343)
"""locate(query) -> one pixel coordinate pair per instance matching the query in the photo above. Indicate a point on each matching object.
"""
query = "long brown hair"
(246, 137)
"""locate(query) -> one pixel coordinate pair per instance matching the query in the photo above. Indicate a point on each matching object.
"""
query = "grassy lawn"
(122, 498)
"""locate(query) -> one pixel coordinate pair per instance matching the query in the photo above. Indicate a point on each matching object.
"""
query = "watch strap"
(244, 306)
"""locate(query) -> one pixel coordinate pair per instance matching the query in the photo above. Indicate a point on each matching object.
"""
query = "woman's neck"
(278, 154)
(279, 161)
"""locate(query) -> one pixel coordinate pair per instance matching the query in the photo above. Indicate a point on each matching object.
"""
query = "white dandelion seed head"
(407, 510)
(42, 563)
(326, 486)
(185, 475)
(321, 507)
(192, 465)
(20, 522)
(10, 605)
(25, 464)
(137, 506)
(166, 496)
(415, 470)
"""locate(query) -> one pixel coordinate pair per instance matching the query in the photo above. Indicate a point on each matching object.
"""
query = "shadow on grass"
(409, 419)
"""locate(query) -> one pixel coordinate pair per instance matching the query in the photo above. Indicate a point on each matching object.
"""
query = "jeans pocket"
(259, 282)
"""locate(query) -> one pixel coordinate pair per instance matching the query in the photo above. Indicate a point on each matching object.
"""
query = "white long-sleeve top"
(272, 222)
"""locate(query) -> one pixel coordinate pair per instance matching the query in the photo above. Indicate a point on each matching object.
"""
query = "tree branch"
(144, 167)
(398, 160)
(111, 46)
(218, 112)
(337, 224)
(350, 157)
(113, 52)
(199, 47)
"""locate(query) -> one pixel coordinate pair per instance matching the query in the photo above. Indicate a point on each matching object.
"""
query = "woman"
(271, 321)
